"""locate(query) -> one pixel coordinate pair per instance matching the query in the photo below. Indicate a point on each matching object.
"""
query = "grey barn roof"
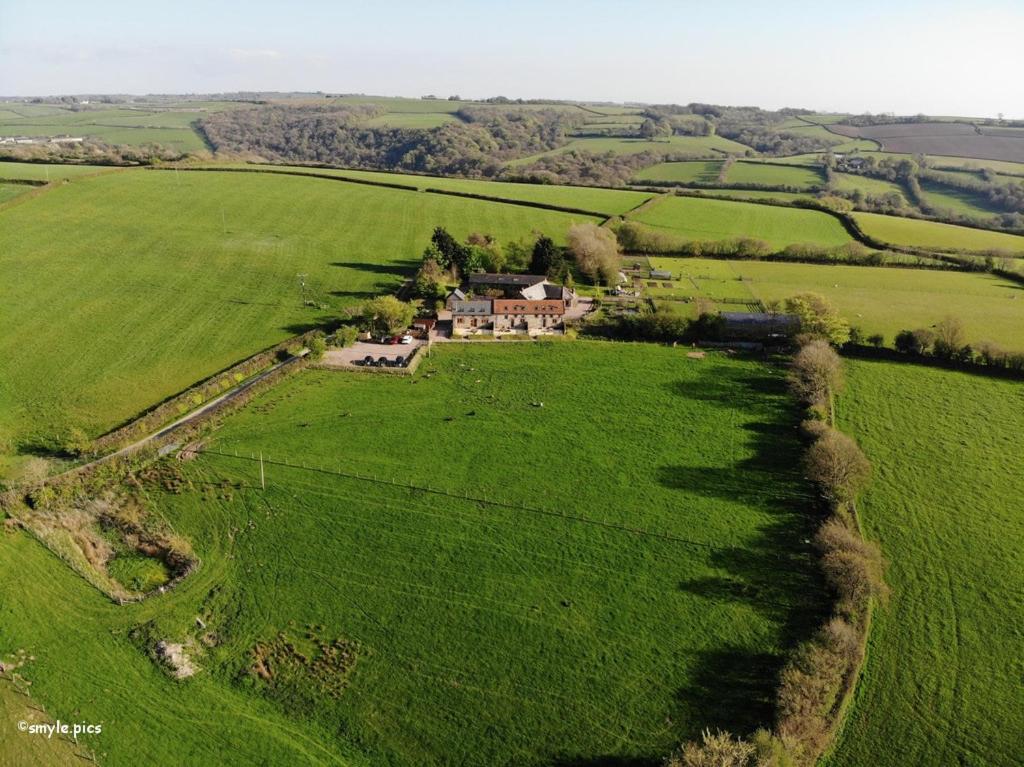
(478, 306)
(759, 318)
(517, 280)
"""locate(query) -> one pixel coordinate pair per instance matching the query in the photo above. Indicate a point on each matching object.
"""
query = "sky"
(903, 56)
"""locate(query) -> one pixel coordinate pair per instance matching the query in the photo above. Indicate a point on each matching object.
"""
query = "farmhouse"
(509, 303)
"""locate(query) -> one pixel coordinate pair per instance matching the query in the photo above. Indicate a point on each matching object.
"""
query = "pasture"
(942, 679)
(484, 633)
(957, 201)
(707, 219)
(696, 146)
(917, 233)
(873, 187)
(106, 314)
(701, 171)
(10, 191)
(608, 202)
(774, 175)
(34, 171)
(877, 299)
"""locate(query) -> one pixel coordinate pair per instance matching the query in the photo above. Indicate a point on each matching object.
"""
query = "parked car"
(407, 339)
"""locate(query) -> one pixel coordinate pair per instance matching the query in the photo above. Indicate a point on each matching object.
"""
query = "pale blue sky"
(907, 56)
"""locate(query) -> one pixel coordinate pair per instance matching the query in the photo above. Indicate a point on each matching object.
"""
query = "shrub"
(835, 462)
(317, 346)
(816, 373)
(914, 341)
(877, 340)
(346, 336)
(818, 319)
(719, 749)
(949, 339)
(853, 566)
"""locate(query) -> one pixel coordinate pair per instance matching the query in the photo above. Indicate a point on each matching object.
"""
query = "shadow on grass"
(396, 268)
(773, 570)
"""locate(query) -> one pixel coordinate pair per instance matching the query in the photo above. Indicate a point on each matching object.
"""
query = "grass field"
(876, 187)
(694, 145)
(774, 175)
(943, 674)
(114, 126)
(484, 634)
(10, 191)
(420, 120)
(609, 202)
(876, 299)
(957, 201)
(704, 219)
(45, 172)
(702, 171)
(931, 234)
(105, 313)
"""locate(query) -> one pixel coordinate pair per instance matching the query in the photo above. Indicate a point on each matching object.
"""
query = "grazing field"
(917, 233)
(876, 299)
(940, 139)
(33, 171)
(886, 300)
(10, 191)
(703, 219)
(774, 175)
(609, 202)
(957, 201)
(875, 187)
(697, 146)
(942, 680)
(755, 194)
(107, 313)
(483, 633)
(114, 125)
(705, 172)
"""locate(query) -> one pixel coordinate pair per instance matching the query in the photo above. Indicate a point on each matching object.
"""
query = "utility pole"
(263, 482)
(302, 287)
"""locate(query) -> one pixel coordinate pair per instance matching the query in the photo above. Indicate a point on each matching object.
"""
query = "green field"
(609, 202)
(774, 175)
(694, 145)
(885, 300)
(10, 191)
(703, 219)
(114, 125)
(875, 187)
(943, 675)
(958, 201)
(931, 234)
(46, 172)
(106, 314)
(701, 171)
(484, 634)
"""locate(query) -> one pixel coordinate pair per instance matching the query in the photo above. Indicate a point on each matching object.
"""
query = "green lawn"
(10, 191)
(704, 219)
(931, 234)
(125, 288)
(484, 634)
(943, 676)
(774, 175)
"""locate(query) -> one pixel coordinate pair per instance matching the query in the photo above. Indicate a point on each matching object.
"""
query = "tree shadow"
(395, 268)
(774, 570)
(734, 690)
(606, 761)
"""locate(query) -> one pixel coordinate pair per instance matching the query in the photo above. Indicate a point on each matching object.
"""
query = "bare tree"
(837, 464)
(816, 373)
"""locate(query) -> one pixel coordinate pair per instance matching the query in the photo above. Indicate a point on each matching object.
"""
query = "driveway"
(347, 357)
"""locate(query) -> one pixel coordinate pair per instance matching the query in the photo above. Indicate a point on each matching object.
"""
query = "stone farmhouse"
(509, 303)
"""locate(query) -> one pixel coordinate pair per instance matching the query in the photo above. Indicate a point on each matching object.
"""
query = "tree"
(914, 341)
(816, 373)
(387, 314)
(317, 346)
(547, 258)
(77, 442)
(949, 338)
(818, 319)
(447, 248)
(835, 462)
(596, 252)
(718, 749)
(517, 255)
(430, 280)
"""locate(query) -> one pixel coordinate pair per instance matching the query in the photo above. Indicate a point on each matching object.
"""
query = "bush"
(817, 318)
(917, 342)
(854, 567)
(720, 749)
(816, 373)
(346, 335)
(837, 465)
(317, 346)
